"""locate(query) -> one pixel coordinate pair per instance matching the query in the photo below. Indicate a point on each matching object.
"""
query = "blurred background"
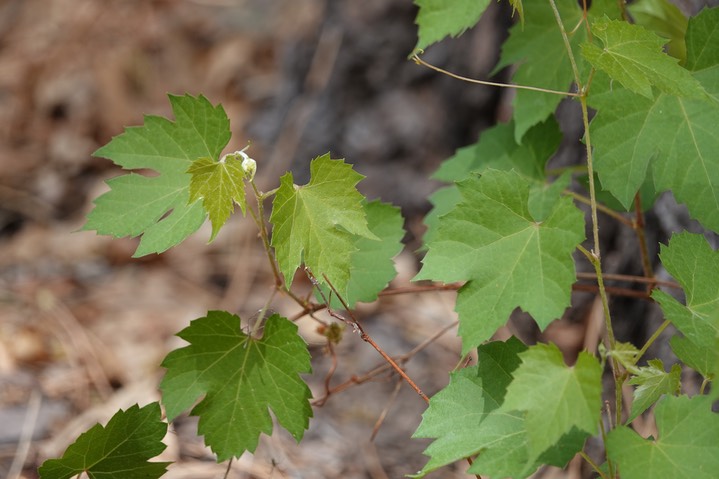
(83, 327)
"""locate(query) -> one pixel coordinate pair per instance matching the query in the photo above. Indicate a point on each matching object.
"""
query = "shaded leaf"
(687, 446)
(120, 450)
(157, 207)
(693, 263)
(240, 378)
(664, 19)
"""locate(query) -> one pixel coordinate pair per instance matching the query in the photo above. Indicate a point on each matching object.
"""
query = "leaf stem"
(358, 329)
(604, 209)
(568, 46)
(653, 338)
(419, 61)
(592, 464)
(603, 431)
(638, 226)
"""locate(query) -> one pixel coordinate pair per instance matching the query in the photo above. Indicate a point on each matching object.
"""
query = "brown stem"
(638, 226)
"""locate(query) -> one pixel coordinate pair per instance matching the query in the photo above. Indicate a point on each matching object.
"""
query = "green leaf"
(119, 450)
(626, 354)
(443, 201)
(156, 207)
(664, 19)
(456, 415)
(693, 263)
(317, 224)
(509, 259)
(497, 149)
(438, 19)
(653, 382)
(220, 184)
(372, 267)
(240, 378)
(537, 47)
(634, 57)
(555, 397)
(687, 446)
(669, 137)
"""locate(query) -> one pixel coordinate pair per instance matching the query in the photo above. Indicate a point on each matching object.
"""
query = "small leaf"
(158, 207)
(509, 259)
(653, 382)
(626, 354)
(220, 184)
(634, 57)
(317, 224)
(687, 446)
(555, 397)
(438, 19)
(240, 378)
(119, 450)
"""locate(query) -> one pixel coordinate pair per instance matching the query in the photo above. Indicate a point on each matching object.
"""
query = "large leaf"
(497, 149)
(687, 446)
(119, 450)
(694, 264)
(240, 378)
(537, 47)
(557, 399)
(634, 57)
(156, 207)
(653, 382)
(509, 259)
(456, 414)
(317, 224)
(438, 19)
(671, 137)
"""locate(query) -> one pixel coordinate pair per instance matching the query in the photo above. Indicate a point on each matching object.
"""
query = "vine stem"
(419, 61)
(356, 327)
(594, 255)
(592, 464)
(653, 338)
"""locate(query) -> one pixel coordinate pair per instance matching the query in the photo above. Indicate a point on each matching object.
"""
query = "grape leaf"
(625, 353)
(702, 41)
(456, 414)
(119, 450)
(509, 259)
(372, 267)
(693, 263)
(240, 378)
(497, 148)
(653, 382)
(634, 57)
(669, 136)
(556, 398)
(438, 19)
(317, 224)
(220, 184)
(664, 19)
(687, 446)
(538, 49)
(157, 207)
